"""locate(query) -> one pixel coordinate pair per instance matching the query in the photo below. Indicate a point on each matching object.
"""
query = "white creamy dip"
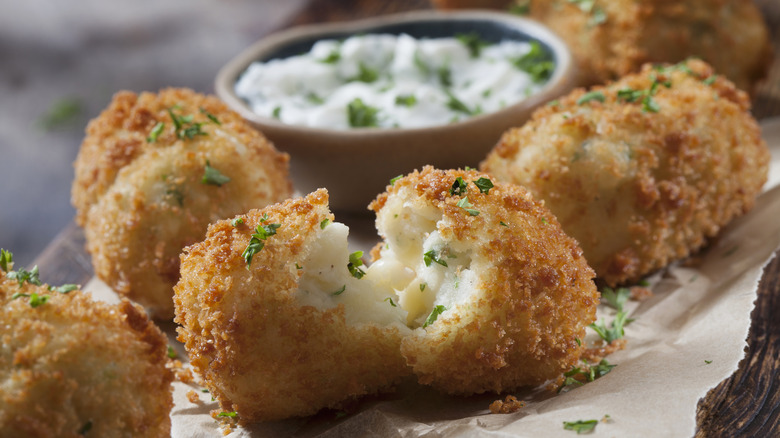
(394, 81)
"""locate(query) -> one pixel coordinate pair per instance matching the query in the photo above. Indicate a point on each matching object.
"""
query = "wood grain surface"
(746, 404)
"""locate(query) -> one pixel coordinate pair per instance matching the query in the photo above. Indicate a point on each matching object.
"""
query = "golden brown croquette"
(71, 366)
(641, 171)
(153, 171)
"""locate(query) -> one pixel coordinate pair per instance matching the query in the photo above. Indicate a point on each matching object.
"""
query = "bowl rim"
(230, 72)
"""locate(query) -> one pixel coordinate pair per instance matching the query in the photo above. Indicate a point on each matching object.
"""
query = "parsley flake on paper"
(580, 426)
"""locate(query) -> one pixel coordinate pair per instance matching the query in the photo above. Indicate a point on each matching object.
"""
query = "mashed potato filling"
(418, 270)
(327, 283)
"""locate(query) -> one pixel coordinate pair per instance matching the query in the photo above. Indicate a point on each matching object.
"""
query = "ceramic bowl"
(356, 165)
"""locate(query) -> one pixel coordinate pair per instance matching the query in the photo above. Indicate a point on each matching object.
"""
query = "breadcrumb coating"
(73, 367)
(641, 171)
(273, 339)
(612, 38)
(142, 192)
(305, 326)
(516, 292)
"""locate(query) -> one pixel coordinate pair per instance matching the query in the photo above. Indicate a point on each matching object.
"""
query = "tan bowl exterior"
(356, 165)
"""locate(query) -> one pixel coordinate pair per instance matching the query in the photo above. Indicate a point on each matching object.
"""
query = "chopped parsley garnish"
(361, 115)
(332, 58)
(297, 266)
(616, 298)
(155, 132)
(256, 243)
(503, 224)
(437, 310)
(536, 63)
(277, 112)
(598, 16)
(237, 221)
(355, 261)
(85, 428)
(431, 256)
(578, 376)
(591, 96)
(649, 105)
(459, 187)
(228, 414)
(171, 352)
(35, 299)
(520, 7)
(65, 288)
(484, 184)
(466, 205)
(62, 112)
(614, 331)
(366, 74)
(185, 127)
(422, 286)
(578, 341)
(177, 195)
(408, 100)
(580, 426)
(710, 80)
(420, 64)
(6, 260)
(445, 76)
(23, 276)
(213, 176)
(473, 42)
(707, 361)
(630, 95)
(210, 116)
(324, 223)
(391, 301)
(392, 181)
(340, 291)
(456, 105)
(314, 98)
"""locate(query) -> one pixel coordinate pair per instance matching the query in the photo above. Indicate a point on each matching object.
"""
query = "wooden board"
(748, 403)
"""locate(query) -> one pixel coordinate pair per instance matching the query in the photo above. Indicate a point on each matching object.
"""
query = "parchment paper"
(685, 340)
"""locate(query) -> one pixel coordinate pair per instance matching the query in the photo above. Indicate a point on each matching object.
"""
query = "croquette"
(292, 331)
(641, 171)
(509, 293)
(72, 367)
(153, 171)
(612, 38)
(476, 288)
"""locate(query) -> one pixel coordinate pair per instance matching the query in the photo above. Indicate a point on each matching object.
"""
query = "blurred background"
(60, 63)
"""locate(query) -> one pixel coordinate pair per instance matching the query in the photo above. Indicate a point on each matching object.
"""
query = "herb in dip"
(388, 81)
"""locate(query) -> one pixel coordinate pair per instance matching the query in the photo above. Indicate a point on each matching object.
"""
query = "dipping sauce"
(394, 81)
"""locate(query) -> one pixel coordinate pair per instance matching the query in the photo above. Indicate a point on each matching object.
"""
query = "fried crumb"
(640, 293)
(507, 406)
(182, 374)
(227, 424)
(193, 397)
(595, 354)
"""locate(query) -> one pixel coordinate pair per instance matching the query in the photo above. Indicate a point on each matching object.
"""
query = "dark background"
(73, 56)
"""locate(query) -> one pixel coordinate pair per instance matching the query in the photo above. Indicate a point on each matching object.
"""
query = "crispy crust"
(74, 361)
(729, 34)
(141, 202)
(612, 38)
(534, 299)
(259, 351)
(638, 188)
